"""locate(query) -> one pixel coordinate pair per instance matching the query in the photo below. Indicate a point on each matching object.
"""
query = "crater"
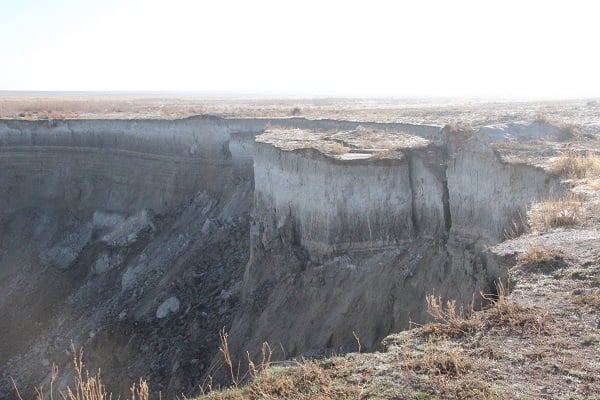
(301, 233)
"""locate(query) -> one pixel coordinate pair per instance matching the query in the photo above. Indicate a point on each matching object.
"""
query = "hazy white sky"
(398, 48)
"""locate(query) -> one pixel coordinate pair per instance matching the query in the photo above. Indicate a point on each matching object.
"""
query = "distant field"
(44, 105)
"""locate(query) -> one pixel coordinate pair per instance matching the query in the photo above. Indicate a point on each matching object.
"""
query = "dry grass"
(334, 148)
(457, 131)
(538, 255)
(501, 312)
(86, 387)
(506, 313)
(549, 214)
(590, 298)
(435, 361)
(450, 320)
(302, 380)
(576, 165)
(350, 377)
(437, 358)
(516, 227)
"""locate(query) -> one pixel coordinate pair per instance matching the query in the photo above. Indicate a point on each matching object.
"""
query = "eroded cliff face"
(103, 222)
(487, 195)
(349, 243)
(331, 207)
(140, 240)
(128, 238)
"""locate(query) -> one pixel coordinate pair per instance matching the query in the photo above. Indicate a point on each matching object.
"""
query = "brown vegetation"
(335, 148)
(86, 386)
(555, 213)
(576, 165)
(538, 254)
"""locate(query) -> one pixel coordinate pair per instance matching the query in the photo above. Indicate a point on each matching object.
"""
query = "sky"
(421, 48)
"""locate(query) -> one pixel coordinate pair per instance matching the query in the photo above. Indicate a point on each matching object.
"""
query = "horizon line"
(296, 95)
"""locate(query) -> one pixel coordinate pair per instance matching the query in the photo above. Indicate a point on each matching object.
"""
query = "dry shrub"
(304, 380)
(539, 255)
(569, 131)
(234, 369)
(500, 312)
(588, 297)
(548, 214)
(86, 387)
(499, 301)
(437, 358)
(301, 380)
(450, 321)
(516, 227)
(576, 165)
(335, 148)
(505, 312)
(457, 131)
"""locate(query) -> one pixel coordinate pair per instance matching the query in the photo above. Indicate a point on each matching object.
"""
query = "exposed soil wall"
(140, 240)
(354, 246)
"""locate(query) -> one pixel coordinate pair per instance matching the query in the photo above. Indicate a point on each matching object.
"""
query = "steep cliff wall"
(139, 240)
(123, 165)
(340, 199)
(128, 238)
(488, 194)
(351, 233)
(331, 206)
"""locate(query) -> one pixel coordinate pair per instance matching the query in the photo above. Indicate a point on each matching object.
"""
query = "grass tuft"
(302, 380)
(576, 165)
(590, 298)
(506, 313)
(335, 148)
(86, 387)
(438, 357)
(450, 320)
(539, 256)
(549, 214)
